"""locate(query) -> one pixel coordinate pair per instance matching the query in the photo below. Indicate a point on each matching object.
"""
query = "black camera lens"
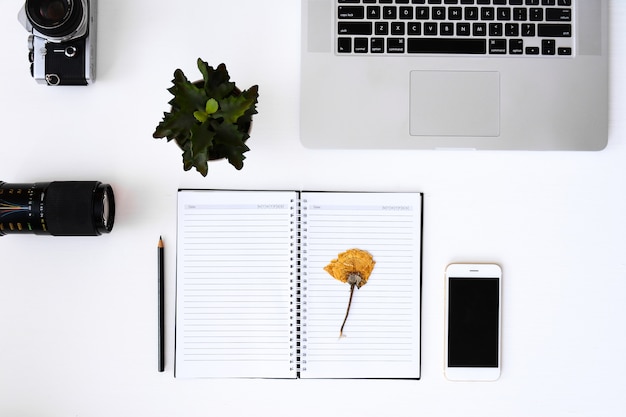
(59, 208)
(55, 17)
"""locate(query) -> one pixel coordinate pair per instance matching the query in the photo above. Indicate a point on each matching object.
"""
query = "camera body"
(62, 44)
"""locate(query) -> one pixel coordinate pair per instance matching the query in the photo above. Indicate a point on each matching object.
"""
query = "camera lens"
(53, 11)
(59, 208)
(55, 18)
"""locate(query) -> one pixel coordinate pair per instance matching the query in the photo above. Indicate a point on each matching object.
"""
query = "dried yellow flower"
(353, 267)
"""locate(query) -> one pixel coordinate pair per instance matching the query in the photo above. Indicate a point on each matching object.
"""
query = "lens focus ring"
(70, 208)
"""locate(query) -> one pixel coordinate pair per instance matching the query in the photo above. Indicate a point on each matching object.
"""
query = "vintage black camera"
(62, 44)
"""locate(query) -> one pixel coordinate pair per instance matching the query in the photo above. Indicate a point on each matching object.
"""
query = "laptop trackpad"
(455, 103)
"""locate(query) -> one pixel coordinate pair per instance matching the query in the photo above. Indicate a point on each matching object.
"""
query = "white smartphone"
(473, 317)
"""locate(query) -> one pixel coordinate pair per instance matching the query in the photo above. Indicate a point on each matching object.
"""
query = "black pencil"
(161, 306)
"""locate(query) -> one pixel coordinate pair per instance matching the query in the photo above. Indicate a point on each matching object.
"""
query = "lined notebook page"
(382, 333)
(234, 267)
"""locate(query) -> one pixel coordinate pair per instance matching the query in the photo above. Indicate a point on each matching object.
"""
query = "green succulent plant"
(209, 119)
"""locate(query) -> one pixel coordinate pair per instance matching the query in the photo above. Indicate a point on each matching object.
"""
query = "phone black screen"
(473, 322)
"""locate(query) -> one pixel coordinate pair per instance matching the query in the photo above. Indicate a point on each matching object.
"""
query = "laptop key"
(373, 12)
(351, 12)
(344, 45)
(516, 46)
(554, 30)
(361, 45)
(558, 15)
(548, 47)
(564, 51)
(446, 46)
(377, 45)
(355, 28)
(497, 46)
(415, 28)
(382, 28)
(395, 45)
(520, 14)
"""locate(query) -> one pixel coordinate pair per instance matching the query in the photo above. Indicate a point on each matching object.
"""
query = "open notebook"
(253, 299)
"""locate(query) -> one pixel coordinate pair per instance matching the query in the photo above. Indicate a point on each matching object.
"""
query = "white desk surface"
(78, 315)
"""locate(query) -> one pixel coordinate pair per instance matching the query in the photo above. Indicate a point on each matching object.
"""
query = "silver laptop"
(467, 74)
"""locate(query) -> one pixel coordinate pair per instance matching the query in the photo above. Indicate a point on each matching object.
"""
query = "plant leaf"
(211, 106)
(201, 116)
(233, 107)
(175, 125)
(200, 163)
(216, 81)
(229, 142)
(187, 97)
(251, 94)
(201, 138)
(201, 142)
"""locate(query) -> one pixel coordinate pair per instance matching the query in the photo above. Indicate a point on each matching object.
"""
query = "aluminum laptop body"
(361, 92)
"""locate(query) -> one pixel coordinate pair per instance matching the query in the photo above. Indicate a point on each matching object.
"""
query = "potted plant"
(210, 118)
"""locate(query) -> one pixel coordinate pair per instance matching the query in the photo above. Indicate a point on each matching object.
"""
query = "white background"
(78, 315)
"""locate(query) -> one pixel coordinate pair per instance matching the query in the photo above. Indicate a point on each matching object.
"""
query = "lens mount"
(59, 20)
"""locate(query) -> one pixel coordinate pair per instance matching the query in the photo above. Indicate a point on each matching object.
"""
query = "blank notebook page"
(382, 332)
(235, 265)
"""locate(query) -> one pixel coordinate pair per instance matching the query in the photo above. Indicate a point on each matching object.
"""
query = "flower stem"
(352, 285)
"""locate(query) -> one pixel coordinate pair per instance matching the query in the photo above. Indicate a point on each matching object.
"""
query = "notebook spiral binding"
(303, 282)
(295, 336)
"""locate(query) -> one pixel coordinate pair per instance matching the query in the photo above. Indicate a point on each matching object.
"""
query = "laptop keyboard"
(541, 28)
